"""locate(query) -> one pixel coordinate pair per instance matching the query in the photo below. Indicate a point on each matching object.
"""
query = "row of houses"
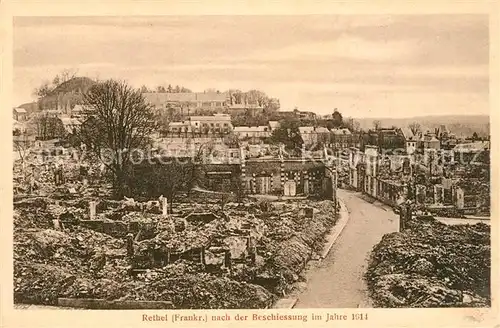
(335, 138)
(436, 179)
(404, 139)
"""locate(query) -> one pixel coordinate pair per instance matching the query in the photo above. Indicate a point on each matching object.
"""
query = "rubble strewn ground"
(432, 264)
(182, 258)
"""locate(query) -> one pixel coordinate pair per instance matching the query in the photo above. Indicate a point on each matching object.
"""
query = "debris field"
(432, 265)
(196, 257)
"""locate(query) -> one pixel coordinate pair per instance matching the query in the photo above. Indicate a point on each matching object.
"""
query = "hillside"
(67, 94)
(77, 84)
(30, 107)
(461, 125)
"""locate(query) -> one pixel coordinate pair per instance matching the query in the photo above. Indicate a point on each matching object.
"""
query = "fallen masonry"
(432, 264)
(120, 253)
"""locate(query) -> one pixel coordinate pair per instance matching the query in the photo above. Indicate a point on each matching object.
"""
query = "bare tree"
(170, 176)
(56, 80)
(49, 127)
(22, 147)
(117, 123)
(44, 90)
(67, 74)
(414, 127)
(257, 97)
(377, 124)
(185, 108)
(356, 126)
(47, 87)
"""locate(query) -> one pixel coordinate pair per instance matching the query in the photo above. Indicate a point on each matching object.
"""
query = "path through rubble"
(337, 281)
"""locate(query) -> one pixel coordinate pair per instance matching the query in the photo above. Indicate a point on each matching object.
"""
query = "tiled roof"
(341, 131)
(473, 146)
(70, 121)
(159, 99)
(261, 128)
(20, 110)
(211, 96)
(321, 129)
(80, 108)
(274, 124)
(176, 124)
(408, 135)
(306, 129)
(214, 118)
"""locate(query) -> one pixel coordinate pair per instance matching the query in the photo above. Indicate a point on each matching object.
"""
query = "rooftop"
(262, 128)
(70, 121)
(306, 129)
(408, 134)
(341, 131)
(159, 99)
(473, 146)
(274, 124)
(216, 117)
(20, 110)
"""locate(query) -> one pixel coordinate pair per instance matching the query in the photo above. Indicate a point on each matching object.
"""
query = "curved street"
(337, 281)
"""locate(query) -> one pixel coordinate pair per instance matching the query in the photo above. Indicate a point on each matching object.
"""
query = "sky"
(363, 65)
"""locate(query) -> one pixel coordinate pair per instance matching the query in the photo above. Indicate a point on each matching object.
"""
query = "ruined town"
(163, 197)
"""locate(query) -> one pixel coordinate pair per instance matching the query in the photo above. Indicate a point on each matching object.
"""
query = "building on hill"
(214, 124)
(203, 103)
(188, 101)
(19, 114)
(66, 95)
(218, 124)
(30, 108)
(312, 135)
(70, 123)
(385, 139)
(295, 114)
(474, 152)
(343, 138)
(251, 132)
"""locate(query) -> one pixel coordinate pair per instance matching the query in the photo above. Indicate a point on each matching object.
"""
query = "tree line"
(47, 87)
(168, 89)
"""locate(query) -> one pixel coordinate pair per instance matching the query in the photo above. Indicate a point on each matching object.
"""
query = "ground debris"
(251, 253)
(432, 265)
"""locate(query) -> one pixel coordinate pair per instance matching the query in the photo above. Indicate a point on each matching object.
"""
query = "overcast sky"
(366, 66)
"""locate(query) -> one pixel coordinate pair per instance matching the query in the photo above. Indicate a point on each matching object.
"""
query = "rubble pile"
(197, 257)
(204, 291)
(432, 264)
(47, 263)
(292, 239)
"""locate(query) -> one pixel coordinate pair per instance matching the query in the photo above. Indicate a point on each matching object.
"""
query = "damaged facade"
(432, 178)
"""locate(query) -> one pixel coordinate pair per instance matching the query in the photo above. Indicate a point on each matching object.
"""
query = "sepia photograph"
(251, 162)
